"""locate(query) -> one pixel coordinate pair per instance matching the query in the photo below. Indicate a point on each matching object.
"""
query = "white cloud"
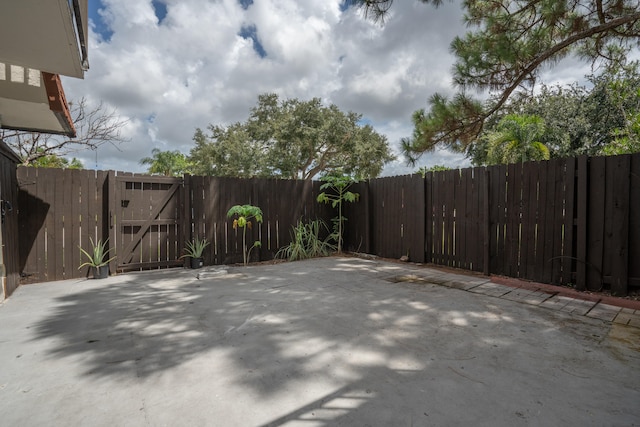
(193, 68)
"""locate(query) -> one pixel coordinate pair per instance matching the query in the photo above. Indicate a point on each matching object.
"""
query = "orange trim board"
(58, 102)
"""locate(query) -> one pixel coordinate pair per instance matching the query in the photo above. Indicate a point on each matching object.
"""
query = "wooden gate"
(148, 219)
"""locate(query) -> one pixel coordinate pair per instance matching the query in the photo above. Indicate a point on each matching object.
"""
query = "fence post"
(110, 213)
(185, 221)
(487, 223)
(581, 216)
(620, 236)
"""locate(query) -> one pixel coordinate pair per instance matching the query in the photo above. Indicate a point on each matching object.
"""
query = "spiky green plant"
(96, 258)
(195, 248)
(306, 242)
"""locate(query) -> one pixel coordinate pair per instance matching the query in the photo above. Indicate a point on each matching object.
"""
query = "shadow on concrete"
(338, 343)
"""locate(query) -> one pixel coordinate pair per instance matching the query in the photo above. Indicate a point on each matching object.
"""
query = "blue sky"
(171, 66)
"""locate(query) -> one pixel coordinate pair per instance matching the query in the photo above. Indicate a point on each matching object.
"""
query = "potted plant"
(194, 250)
(97, 259)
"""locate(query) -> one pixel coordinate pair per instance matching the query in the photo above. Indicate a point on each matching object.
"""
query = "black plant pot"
(101, 272)
(197, 262)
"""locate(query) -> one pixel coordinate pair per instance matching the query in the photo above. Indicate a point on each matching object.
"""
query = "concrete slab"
(491, 289)
(315, 343)
(604, 312)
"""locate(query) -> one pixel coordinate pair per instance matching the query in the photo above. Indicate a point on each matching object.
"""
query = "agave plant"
(96, 258)
(195, 248)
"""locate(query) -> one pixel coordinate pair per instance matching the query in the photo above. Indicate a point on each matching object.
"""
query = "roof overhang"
(40, 41)
(46, 35)
(36, 104)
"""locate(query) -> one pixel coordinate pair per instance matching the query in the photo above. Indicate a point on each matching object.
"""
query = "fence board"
(467, 245)
(414, 212)
(568, 247)
(541, 235)
(607, 244)
(512, 219)
(428, 217)
(549, 222)
(439, 223)
(529, 220)
(558, 229)
(634, 220)
(485, 220)
(596, 223)
(619, 254)
(582, 210)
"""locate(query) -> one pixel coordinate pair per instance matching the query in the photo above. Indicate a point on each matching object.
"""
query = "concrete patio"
(330, 341)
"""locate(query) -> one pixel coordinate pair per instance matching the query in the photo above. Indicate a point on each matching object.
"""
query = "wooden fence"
(147, 219)
(9, 237)
(573, 221)
(283, 203)
(59, 211)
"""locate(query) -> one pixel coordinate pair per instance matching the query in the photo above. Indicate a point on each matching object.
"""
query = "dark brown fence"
(565, 221)
(147, 219)
(569, 221)
(59, 211)
(9, 237)
(283, 203)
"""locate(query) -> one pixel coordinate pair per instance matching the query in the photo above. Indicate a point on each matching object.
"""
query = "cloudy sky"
(170, 66)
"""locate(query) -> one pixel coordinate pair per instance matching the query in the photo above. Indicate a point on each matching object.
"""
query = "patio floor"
(324, 342)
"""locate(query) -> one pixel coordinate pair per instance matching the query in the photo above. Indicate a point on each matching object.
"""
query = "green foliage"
(306, 242)
(623, 90)
(453, 124)
(167, 163)
(578, 120)
(568, 113)
(290, 139)
(55, 161)
(96, 258)
(516, 139)
(195, 248)
(509, 44)
(244, 216)
(338, 184)
(423, 171)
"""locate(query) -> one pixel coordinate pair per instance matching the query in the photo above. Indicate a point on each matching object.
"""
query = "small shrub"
(338, 186)
(306, 242)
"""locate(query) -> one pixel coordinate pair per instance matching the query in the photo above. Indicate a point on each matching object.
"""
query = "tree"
(579, 120)
(424, 170)
(517, 139)
(291, 139)
(567, 113)
(512, 40)
(619, 91)
(53, 161)
(167, 163)
(94, 127)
